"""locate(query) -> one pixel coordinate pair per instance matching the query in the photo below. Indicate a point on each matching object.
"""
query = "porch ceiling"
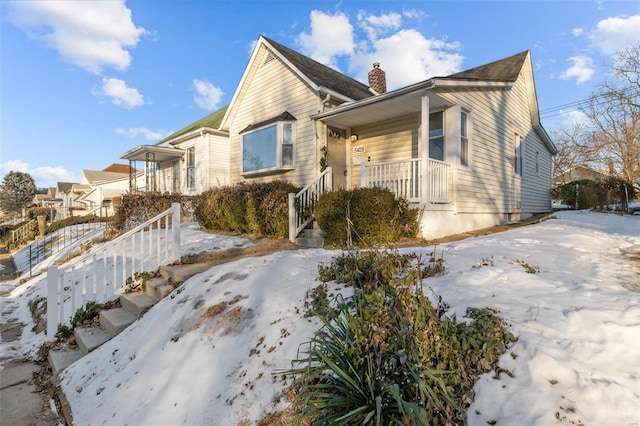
(160, 154)
(350, 116)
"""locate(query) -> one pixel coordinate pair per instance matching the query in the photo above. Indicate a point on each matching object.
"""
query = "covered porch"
(153, 156)
(405, 141)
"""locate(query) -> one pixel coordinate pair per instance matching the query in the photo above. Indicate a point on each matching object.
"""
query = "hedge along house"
(467, 149)
(189, 161)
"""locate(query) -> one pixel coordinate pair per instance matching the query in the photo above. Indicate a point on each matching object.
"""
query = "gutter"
(423, 85)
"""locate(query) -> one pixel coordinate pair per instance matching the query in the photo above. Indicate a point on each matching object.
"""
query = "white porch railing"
(302, 205)
(100, 275)
(404, 179)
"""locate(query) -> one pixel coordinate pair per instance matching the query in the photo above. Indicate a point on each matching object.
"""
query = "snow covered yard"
(210, 353)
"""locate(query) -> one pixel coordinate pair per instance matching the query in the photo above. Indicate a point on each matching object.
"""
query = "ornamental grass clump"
(388, 355)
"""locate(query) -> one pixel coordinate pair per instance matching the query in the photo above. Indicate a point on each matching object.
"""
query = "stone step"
(158, 288)
(89, 338)
(59, 360)
(181, 273)
(310, 242)
(137, 303)
(312, 233)
(116, 320)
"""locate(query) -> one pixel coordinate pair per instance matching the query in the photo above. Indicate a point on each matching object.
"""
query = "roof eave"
(197, 132)
(460, 83)
(537, 127)
(423, 85)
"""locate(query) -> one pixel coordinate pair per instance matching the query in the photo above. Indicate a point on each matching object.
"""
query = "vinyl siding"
(272, 89)
(386, 141)
(488, 185)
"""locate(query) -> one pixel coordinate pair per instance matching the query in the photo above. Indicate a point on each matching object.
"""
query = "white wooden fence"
(99, 276)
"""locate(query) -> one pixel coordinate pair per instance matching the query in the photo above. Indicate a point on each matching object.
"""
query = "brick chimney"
(377, 80)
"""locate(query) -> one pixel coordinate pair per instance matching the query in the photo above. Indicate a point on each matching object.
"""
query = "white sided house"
(467, 149)
(189, 161)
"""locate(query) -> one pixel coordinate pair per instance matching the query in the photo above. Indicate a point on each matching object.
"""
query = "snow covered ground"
(209, 354)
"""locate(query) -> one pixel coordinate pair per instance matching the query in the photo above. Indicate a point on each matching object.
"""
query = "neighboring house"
(44, 200)
(98, 190)
(467, 149)
(188, 161)
(578, 173)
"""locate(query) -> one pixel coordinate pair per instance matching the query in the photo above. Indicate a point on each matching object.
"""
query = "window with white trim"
(268, 148)
(518, 155)
(436, 135)
(191, 167)
(464, 138)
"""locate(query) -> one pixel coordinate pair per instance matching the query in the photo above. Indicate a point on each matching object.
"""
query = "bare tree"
(614, 112)
(574, 149)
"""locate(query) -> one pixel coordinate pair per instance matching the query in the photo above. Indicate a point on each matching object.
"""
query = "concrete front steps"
(311, 238)
(114, 321)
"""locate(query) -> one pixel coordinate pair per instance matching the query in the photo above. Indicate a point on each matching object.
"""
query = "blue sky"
(82, 82)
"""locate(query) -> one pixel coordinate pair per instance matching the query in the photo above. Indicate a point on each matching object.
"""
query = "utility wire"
(577, 105)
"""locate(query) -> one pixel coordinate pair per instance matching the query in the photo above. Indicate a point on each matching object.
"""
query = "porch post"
(423, 148)
(53, 311)
(175, 228)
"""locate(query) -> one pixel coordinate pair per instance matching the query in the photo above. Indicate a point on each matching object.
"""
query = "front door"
(337, 156)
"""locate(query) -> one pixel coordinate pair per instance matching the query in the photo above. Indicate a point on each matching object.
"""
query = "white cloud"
(49, 176)
(134, 132)
(574, 117)
(90, 34)
(330, 36)
(408, 57)
(582, 69)
(414, 14)
(207, 95)
(376, 25)
(616, 33)
(577, 32)
(120, 93)
(13, 166)
(45, 176)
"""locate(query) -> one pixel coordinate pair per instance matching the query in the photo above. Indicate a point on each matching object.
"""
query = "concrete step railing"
(302, 205)
(101, 274)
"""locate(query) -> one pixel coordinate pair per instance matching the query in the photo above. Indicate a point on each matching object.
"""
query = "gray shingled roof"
(94, 176)
(506, 69)
(212, 120)
(322, 75)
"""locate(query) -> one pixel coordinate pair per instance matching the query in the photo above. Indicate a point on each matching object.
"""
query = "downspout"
(322, 105)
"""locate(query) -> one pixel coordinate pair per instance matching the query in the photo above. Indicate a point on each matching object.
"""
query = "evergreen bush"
(365, 217)
(256, 208)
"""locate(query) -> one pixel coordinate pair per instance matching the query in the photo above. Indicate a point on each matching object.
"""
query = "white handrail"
(98, 276)
(302, 205)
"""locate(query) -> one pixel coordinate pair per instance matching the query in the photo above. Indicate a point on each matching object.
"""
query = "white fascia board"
(243, 80)
(334, 94)
(423, 85)
(198, 132)
(545, 138)
(445, 82)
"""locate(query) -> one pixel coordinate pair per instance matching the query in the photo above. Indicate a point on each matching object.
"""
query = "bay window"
(268, 148)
